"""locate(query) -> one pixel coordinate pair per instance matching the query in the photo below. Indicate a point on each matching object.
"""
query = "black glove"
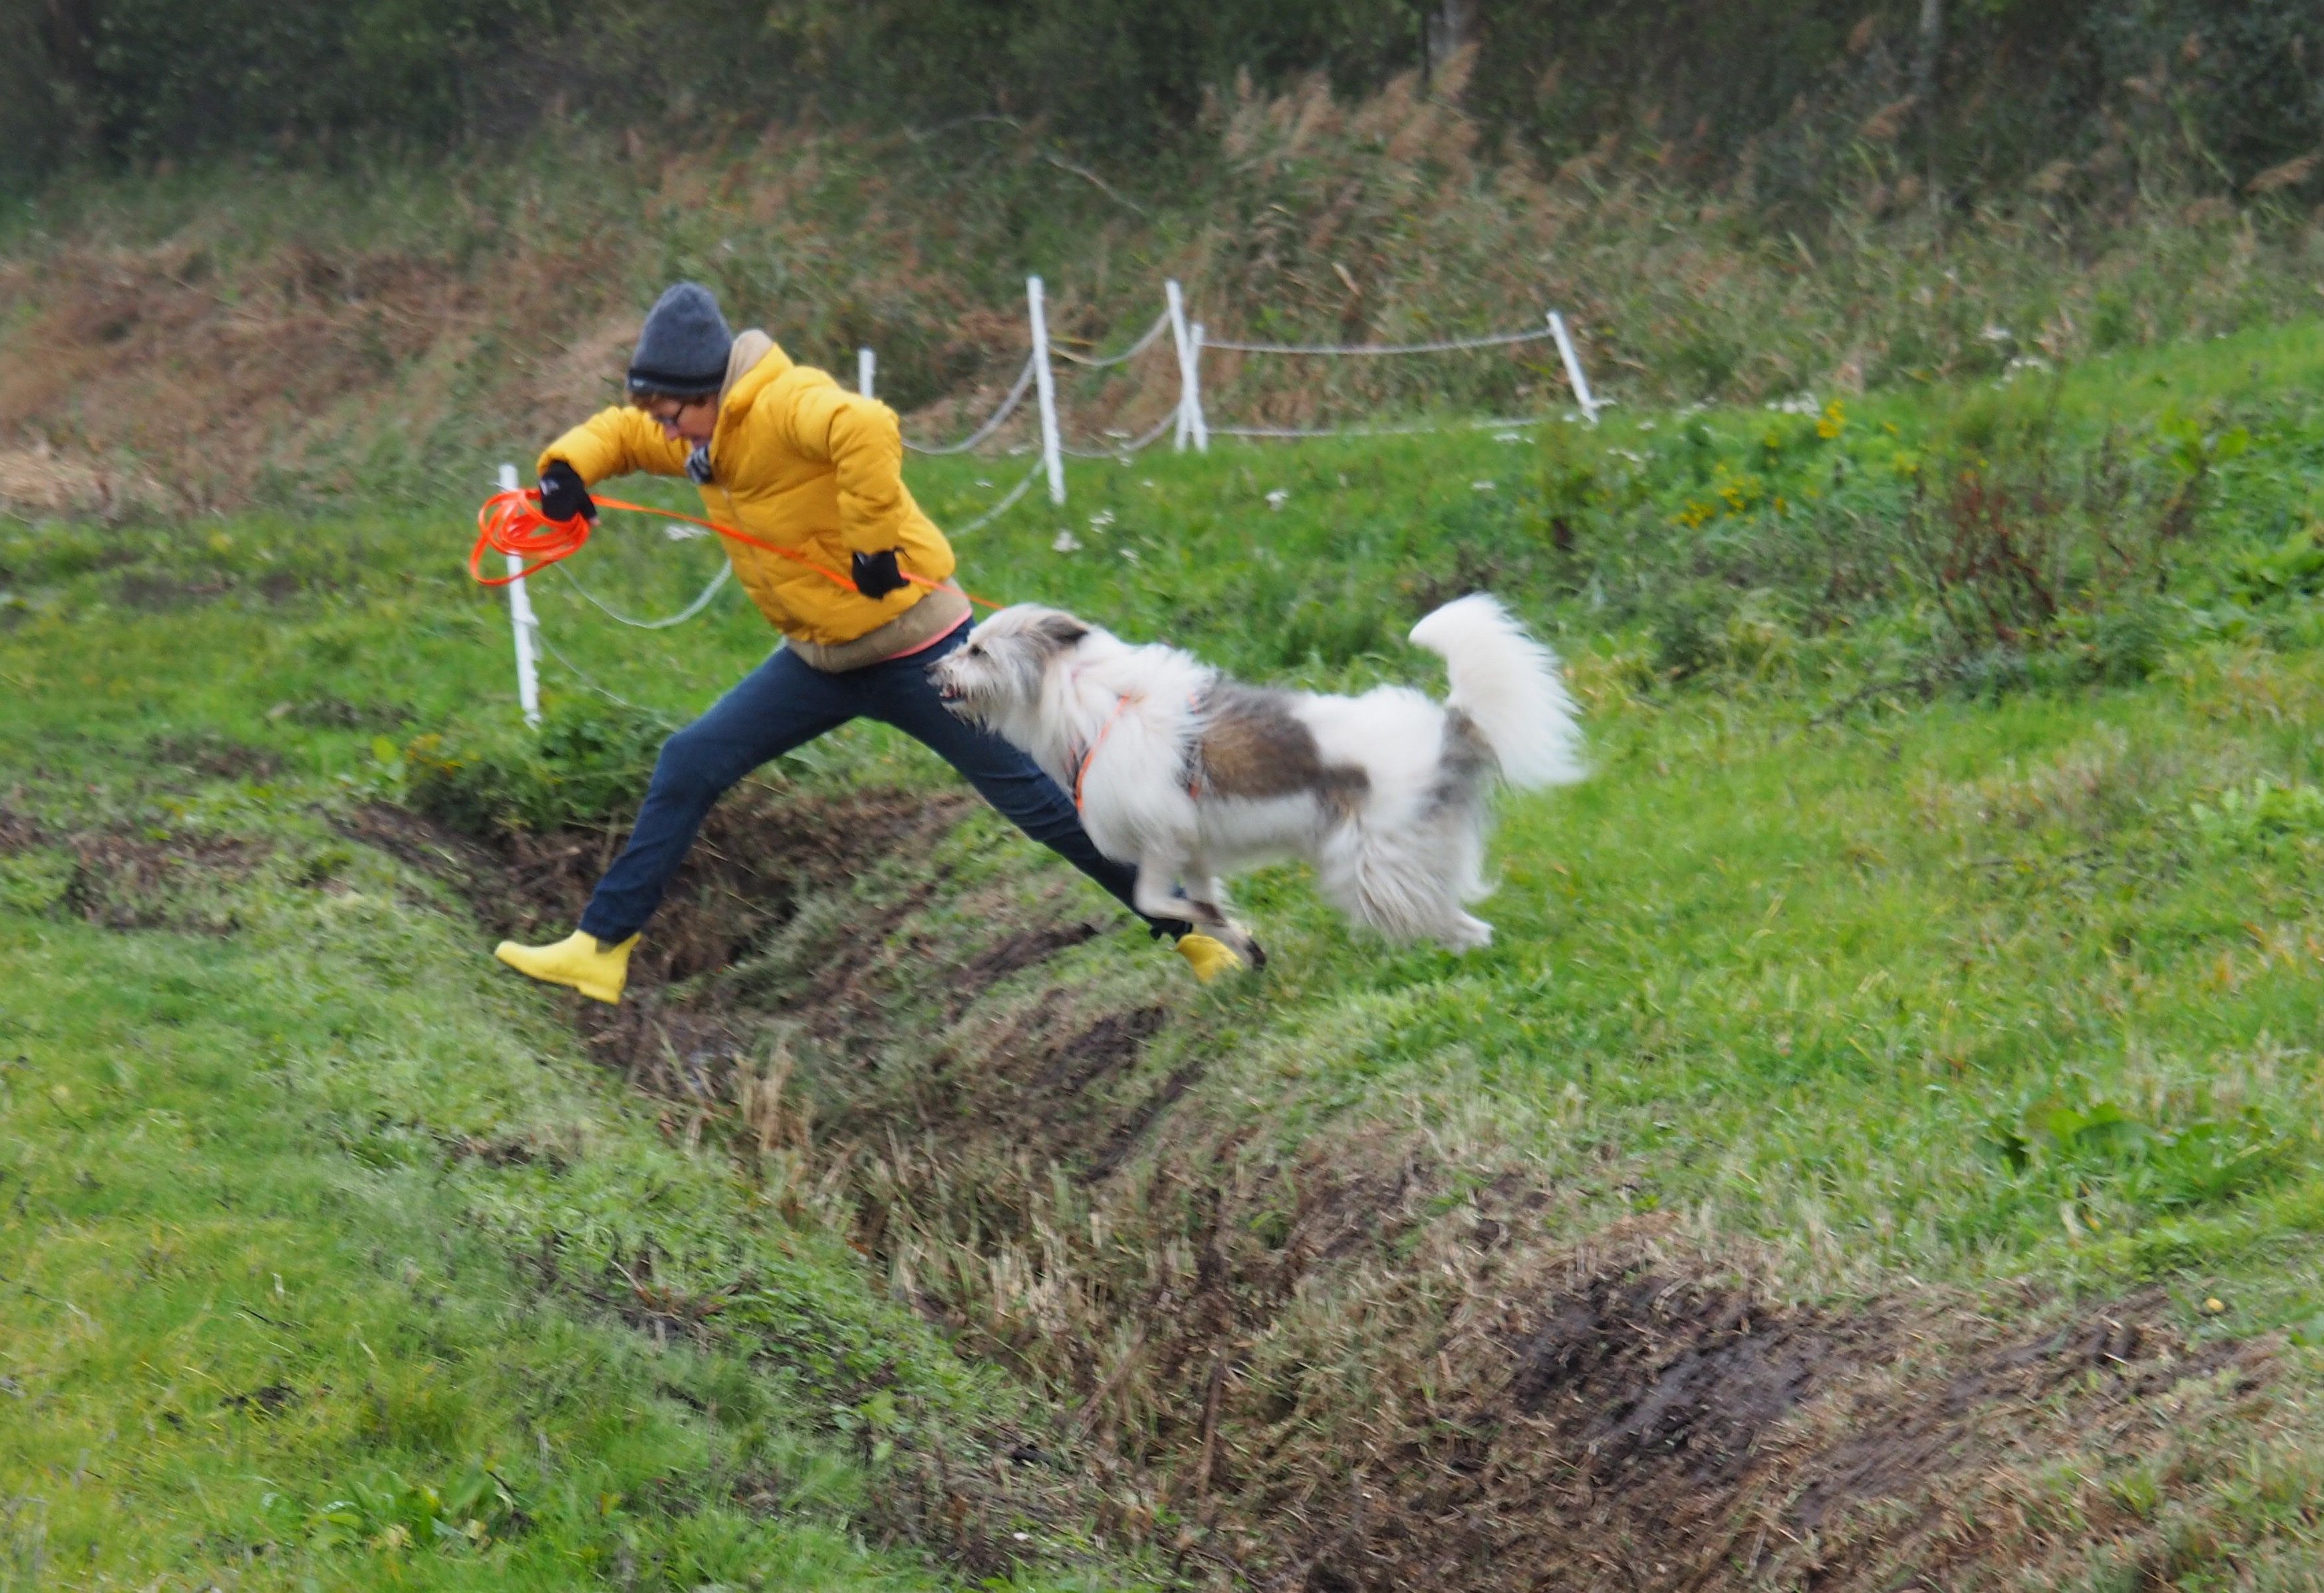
(876, 575)
(563, 495)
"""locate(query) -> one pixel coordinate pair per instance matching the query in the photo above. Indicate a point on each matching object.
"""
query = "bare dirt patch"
(756, 858)
(121, 879)
(215, 756)
(331, 713)
(1019, 952)
(745, 875)
(1636, 1418)
(271, 1400)
(520, 1152)
(1363, 1363)
(153, 594)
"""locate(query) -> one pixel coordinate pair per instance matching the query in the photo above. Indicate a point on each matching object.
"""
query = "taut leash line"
(511, 522)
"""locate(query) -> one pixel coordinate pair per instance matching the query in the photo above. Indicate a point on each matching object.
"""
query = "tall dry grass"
(205, 340)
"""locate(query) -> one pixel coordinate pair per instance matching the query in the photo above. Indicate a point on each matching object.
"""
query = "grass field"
(1882, 1139)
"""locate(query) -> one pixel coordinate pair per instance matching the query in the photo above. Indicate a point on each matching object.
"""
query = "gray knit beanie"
(683, 346)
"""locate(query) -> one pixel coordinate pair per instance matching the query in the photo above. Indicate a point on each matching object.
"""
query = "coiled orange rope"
(511, 522)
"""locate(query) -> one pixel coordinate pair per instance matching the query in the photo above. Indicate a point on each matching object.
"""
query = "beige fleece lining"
(940, 609)
(750, 348)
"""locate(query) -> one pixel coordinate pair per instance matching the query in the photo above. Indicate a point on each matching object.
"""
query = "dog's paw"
(1467, 934)
(1246, 945)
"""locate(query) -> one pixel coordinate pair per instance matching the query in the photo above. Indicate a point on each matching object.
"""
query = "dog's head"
(995, 676)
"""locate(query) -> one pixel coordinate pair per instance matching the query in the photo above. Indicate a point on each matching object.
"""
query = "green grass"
(276, 1306)
(1961, 984)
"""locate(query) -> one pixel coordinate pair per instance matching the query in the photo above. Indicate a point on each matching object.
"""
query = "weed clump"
(2101, 1157)
(1997, 548)
(587, 767)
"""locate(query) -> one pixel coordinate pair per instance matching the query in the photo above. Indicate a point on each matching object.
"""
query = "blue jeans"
(784, 704)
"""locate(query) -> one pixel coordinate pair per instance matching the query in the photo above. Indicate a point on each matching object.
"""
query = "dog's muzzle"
(949, 692)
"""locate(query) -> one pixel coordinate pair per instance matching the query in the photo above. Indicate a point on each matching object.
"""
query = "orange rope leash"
(1081, 776)
(512, 522)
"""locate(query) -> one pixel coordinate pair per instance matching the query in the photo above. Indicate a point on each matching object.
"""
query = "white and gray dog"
(1190, 775)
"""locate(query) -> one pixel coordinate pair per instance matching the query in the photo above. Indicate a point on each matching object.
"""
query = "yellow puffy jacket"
(798, 461)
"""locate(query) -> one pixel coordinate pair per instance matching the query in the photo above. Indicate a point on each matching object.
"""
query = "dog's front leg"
(1158, 895)
(1211, 895)
(1210, 892)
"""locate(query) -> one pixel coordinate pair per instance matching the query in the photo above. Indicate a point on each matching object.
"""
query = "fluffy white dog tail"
(1509, 687)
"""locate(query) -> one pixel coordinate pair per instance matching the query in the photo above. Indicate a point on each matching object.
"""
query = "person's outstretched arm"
(615, 442)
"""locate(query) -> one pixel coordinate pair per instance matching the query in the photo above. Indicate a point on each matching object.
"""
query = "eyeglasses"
(654, 410)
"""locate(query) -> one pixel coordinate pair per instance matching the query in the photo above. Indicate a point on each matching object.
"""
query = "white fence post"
(1045, 382)
(521, 621)
(1188, 376)
(1565, 351)
(866, 362)
(1196, 425)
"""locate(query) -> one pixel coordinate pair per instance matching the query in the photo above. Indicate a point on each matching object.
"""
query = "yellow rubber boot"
(580, 960)
(1208, 957)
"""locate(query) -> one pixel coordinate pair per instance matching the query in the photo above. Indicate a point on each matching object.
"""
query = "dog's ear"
(1059, 632)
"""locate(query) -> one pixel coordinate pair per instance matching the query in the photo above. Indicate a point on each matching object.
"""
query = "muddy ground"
(125, 876)
(1323, 1368)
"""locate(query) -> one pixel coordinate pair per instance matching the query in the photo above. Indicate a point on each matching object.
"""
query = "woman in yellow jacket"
(782, 452)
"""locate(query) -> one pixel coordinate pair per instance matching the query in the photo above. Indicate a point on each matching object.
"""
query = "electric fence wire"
(1100, 362)
(717, 582)
(590, 682)
(1146, 340)
(1007, 407)
(1446, 345)
(1417, 428)
(1126, 447)
(1015, 495)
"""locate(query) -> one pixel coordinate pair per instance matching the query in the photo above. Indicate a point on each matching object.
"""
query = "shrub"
(2215, 1156)
(1690, 630)
(589, 765)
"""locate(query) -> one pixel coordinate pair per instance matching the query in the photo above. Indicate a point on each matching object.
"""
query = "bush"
(587, 767)
(1690, 631)
(2003, 549)
(149, 78)
(2293, 567)
(1790, 101)
(2101, 1148)
(1785, 101)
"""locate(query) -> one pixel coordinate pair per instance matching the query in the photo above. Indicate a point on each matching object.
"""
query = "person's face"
(690, 420)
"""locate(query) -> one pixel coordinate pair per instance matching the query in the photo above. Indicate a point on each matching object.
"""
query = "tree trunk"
(1932, 44)
(1926, 66)
(69, 31)
(1449, 27)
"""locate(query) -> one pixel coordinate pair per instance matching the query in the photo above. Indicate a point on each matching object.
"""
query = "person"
(783, 453)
